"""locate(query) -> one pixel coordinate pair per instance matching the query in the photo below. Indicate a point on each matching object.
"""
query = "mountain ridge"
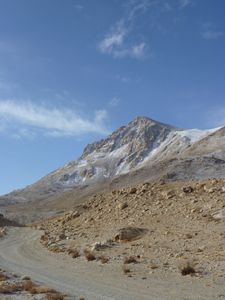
(151, 149)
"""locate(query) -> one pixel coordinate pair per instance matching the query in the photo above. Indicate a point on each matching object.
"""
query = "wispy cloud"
(124, 79)
(27, 118)
(79, 7)
(184, 3)
(114, 102)
(137, 7)
(211, 32)
(115, 43)
(122, 40)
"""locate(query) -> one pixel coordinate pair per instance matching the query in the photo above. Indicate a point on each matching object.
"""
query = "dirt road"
(21, 252)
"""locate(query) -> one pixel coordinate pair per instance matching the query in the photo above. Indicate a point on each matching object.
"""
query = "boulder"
(188, 189)
(128, 234)
(123, 205)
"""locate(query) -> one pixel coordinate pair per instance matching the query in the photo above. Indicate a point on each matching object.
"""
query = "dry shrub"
(44, 237)
(3, 277)
(89, 255)
(54, 296)
(42, 289)
(74, 253)
(186, 268)
(153, 266)
(126, 270)
(130, 260)
(9, 288)
(29, 286)
(103, 259)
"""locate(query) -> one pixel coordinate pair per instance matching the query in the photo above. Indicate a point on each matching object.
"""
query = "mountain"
(143, 150)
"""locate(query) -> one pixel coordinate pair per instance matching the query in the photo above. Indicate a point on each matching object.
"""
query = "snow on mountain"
(176, 142)
(143, 142)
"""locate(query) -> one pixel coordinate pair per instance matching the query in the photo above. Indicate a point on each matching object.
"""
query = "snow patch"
(195, 135)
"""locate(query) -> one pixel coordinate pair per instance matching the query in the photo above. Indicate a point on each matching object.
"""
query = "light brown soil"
(178, 219)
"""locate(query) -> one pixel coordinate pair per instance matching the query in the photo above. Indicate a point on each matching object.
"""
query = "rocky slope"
(155, 226)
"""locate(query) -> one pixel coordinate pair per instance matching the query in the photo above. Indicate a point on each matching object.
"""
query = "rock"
(145, 187)
(188, 236)
(2, 232)
(223, 189)
(168, 194)
(129, 234)
(75, 215)
(219, 215)
(211, 190)
(25, 277)
(101, 245)
(123, 205)
(133, 190)
(188, 189)
(194, 201)
(201, 248)
(62, 236)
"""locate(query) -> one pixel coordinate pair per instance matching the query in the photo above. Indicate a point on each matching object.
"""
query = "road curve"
(22, 253)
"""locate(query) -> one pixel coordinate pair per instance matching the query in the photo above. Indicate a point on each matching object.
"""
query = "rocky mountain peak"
(140, 133)
(142, 120)
(143, 144)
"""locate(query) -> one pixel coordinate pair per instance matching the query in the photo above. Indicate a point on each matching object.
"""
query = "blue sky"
(73, 71)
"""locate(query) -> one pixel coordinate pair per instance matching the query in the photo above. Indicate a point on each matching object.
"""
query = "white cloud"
(184, 3)
(115, 43)
(138, 50)
(114, 40)
(79, 7)
(114, 101)
(137, 7)
(212, 34)
(123, 79)
(28, 118)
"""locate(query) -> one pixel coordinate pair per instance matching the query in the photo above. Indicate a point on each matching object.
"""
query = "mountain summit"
(144, 143)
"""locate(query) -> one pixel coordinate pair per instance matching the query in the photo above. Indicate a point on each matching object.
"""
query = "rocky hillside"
(154, 226)
(143, 150)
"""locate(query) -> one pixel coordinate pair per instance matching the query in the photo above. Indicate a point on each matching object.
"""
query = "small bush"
(186, 268)
(103, 259)
(3, 277)
(74, 253)
(89, 255)
(126, 270)
(54, 296)
(29, 286)
(130, 260)
(10, 288)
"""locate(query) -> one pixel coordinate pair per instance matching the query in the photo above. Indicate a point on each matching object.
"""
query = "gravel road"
(21, 253)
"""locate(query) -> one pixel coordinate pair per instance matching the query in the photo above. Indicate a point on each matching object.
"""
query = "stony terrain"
(155, 226)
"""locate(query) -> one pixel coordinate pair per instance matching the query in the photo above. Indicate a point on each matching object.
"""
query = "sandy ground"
(22, 253)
